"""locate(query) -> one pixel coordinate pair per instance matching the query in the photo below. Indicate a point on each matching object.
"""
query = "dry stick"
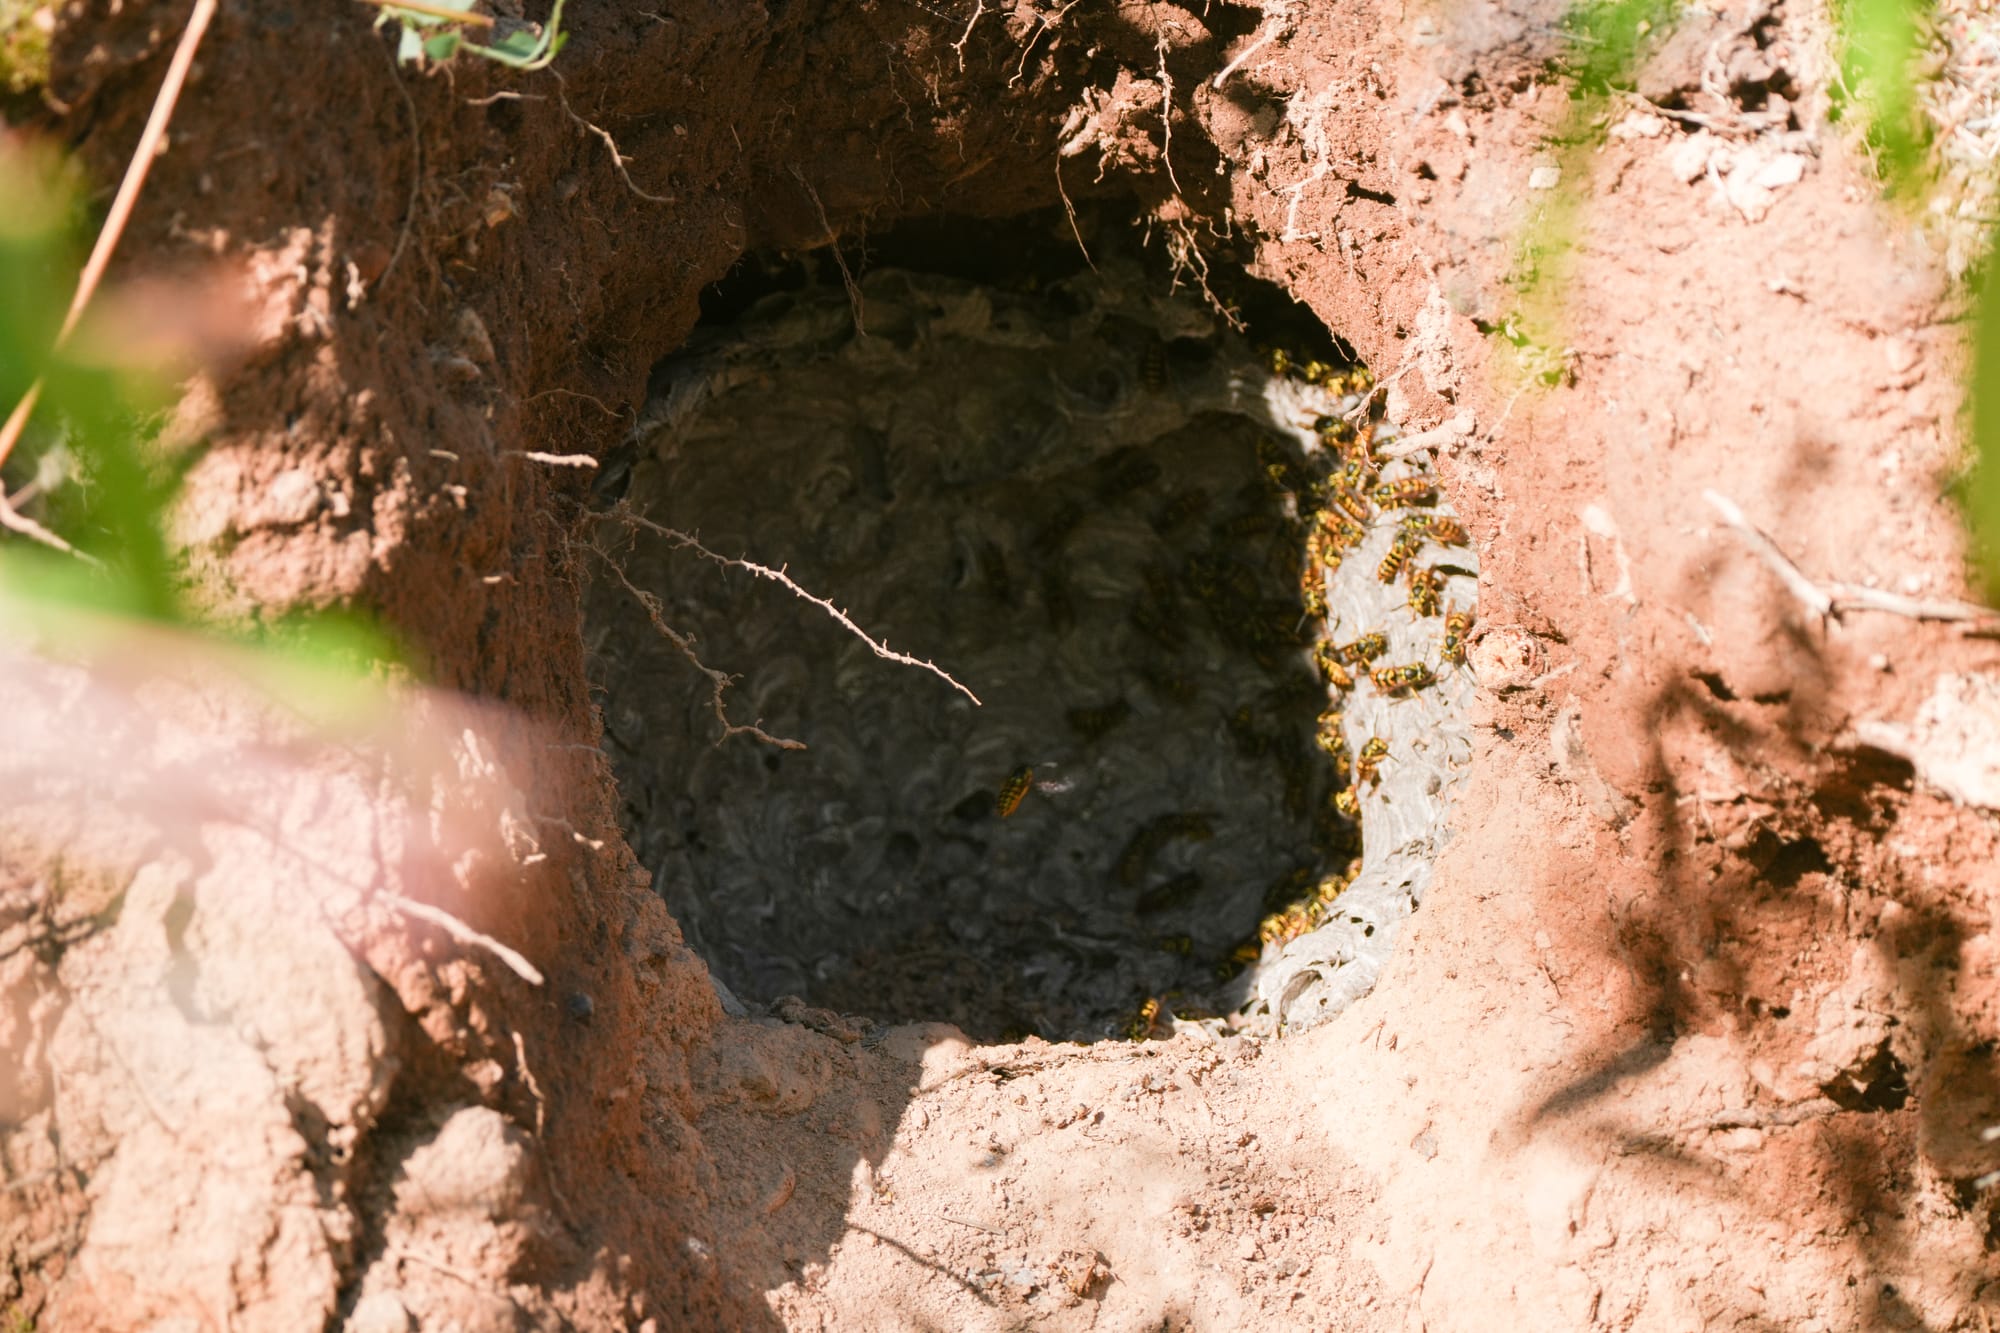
(1070, 209)
(719, 681)
(464, 934)
(100, 254)
(1801, 587)
(832, 240)
(1835, 599)
(779, 576)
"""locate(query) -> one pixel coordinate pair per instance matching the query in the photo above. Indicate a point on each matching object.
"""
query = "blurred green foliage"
(25, 26)
(1879, 42)
(435, 38)
(1602, 47)
(88, 450)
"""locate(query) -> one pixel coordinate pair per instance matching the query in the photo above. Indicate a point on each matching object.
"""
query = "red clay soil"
(1696, 1027)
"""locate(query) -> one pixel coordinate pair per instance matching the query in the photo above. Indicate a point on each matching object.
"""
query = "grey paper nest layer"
(1057, 497)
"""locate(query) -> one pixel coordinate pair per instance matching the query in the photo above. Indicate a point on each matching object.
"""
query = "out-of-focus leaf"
(1982, 491)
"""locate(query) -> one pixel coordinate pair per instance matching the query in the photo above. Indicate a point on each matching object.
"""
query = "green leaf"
(442, 47)
(1982, 491)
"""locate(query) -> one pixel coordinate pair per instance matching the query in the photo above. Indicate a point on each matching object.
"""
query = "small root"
(718, 680)
(779, 576)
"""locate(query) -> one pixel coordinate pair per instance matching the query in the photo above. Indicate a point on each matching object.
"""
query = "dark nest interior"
(1072, 484)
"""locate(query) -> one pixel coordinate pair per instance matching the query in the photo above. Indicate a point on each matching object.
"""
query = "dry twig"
(719, 681)
(618, 159)
(833, 242)
(779, 576)
(464, 934)
(1834, 599)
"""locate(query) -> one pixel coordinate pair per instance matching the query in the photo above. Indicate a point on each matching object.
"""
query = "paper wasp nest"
(1083, 502)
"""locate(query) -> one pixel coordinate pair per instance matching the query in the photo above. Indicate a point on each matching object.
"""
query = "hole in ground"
(1066, 488)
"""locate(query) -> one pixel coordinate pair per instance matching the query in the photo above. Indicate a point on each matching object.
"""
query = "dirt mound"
(1696, 1023)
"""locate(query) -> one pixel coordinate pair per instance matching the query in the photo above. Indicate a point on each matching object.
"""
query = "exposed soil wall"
(1695, 1024)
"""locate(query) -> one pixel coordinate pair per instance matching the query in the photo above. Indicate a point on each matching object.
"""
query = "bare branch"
(717, 679)
(1804, 589)
(1835, 599)
(779, 576)
(464, 934)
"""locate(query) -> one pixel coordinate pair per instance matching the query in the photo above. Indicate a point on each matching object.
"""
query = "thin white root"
(718, 681)
(966, 36)
(555, 460)
(833, 242)
(1834, 599)
(1167, 115)
(465, 934)
(779, 576)
(618, 159)
(1070, 209)
(1264, 39)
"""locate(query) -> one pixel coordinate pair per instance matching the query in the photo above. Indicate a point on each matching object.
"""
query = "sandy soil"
(1696, 1027)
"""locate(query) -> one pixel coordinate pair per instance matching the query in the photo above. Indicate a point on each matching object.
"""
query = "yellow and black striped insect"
(1142, 1027)
(1369, 761)
(1426, 591)
(1093, 723)
(1408, 491)
(1183, 945)
(1329, 736)
(1153, 367)
(1399, 555)
(1342, 533)
(1288, 888)
(1457, 624)
(1277, 360)
(1336, 432)
(1364, 649)
(1283, 927)
(1357, 474)
(1312, 591)
(1396, 679)
(1444, 531)
(1330, 669)
(1014, 790)
(1250, 523)
(1348, 801)
(1349, 502)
